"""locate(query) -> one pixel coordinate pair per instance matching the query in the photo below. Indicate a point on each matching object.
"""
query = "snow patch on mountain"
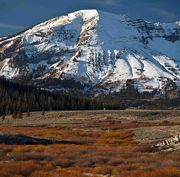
(96, 48)
(7, 70)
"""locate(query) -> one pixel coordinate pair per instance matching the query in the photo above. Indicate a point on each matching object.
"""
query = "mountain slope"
(98, 49)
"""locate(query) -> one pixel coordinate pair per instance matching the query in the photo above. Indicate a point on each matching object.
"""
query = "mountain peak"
(98, 49)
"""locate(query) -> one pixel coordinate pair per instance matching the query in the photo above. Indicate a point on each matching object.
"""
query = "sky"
(17, 15)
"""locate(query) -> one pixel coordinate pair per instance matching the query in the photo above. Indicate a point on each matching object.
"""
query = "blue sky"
(17, 15)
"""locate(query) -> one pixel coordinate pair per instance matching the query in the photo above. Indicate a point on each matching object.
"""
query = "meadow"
(89, 144)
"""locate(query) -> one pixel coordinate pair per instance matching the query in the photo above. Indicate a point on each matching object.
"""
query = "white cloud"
(166, 14)
(2, 25)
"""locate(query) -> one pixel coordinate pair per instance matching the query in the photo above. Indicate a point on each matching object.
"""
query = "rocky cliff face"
(98, 49)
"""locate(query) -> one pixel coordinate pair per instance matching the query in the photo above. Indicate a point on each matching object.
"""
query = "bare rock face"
(98, 49)
(170, 144)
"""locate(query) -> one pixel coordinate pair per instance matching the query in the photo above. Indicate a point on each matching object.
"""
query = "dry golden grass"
(107, 147)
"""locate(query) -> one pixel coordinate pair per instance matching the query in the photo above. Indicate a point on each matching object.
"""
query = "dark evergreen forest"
(17, 98)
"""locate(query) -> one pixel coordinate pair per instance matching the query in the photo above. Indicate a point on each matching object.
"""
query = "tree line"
(17, 98)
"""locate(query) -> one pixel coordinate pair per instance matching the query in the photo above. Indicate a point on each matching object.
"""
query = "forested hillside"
(16, 98)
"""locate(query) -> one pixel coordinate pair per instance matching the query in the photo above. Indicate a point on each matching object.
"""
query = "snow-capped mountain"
(97, 49)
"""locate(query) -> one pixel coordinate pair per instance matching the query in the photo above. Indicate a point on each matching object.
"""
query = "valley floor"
(91, 144)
